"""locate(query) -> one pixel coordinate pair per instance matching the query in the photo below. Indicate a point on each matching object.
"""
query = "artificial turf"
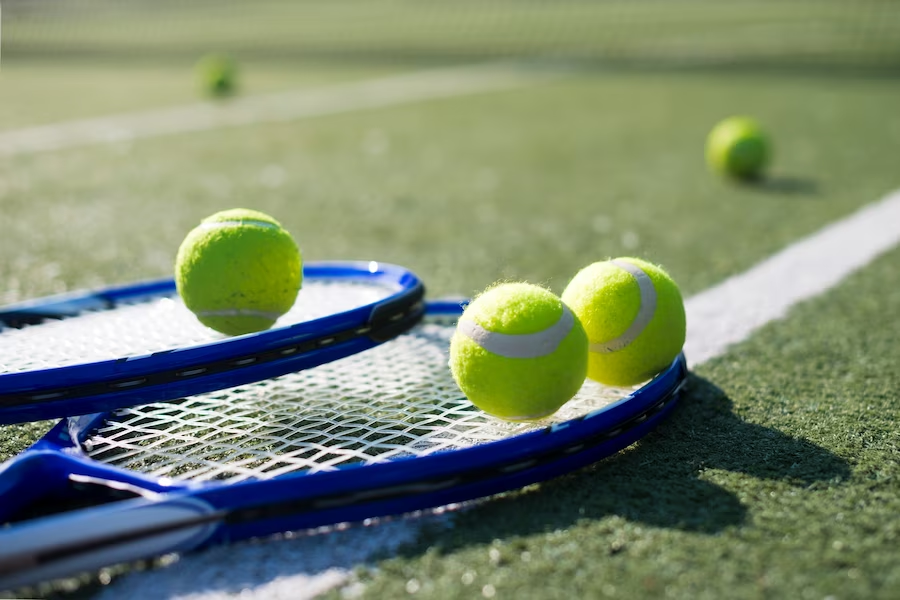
(777, 477)
(529, 184)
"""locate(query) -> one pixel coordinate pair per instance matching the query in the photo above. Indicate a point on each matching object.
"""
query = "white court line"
(731, 311)
(296, 569)
(287, 106)
(717, 318)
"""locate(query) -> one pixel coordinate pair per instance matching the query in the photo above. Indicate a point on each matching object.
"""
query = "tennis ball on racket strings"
(217, 75)
(238, 271)
(634, 317)
(518, 352)
(737, 146)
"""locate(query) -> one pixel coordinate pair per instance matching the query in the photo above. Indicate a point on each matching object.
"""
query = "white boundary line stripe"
(730, 312)
(298, 104)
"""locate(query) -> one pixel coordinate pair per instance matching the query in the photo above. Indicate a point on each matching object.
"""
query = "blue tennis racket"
(97, 351)
(377, 433)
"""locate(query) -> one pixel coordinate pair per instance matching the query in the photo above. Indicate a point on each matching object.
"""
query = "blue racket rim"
(106, 384)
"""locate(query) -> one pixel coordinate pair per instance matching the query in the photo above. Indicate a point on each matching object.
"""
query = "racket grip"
(92, 538)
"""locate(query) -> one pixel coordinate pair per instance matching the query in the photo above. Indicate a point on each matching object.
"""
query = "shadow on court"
(786, 184)
(660, 481)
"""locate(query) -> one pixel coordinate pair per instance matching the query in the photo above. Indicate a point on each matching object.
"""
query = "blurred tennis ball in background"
(518, 352)
(737, 146)
(217, 75)
(634, 317)
(238, 271)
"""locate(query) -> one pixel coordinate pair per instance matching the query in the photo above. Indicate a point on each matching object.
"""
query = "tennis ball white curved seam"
(239, 312)
(645, 312)
(527, 345)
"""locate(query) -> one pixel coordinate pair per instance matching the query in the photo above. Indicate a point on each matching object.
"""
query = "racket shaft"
(96, 537)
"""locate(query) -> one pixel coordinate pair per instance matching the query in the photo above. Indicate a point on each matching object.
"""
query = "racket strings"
(162, 324)
(393, 401)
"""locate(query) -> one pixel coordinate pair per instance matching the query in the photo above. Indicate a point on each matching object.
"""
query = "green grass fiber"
(529, 184)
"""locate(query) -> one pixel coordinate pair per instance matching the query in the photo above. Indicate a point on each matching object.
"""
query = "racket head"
(99, 350)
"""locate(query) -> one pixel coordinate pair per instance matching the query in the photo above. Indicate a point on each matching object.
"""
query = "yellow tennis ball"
(634, 317)
(738, 146)
(217, 75)
(518, 352)
(238, 271)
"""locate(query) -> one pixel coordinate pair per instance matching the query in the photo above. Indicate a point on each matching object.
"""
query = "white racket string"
(393, 401)
(147, 327)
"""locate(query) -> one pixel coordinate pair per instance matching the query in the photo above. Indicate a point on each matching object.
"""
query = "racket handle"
(92, 538)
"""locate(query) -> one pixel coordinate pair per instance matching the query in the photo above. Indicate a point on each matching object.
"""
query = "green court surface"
(779, 474)
(540, 180)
